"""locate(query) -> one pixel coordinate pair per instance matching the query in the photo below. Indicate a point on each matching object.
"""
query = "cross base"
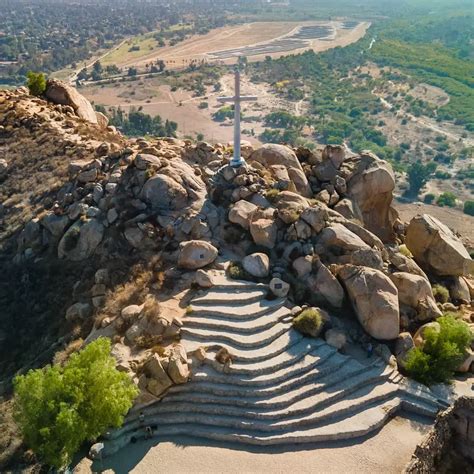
(236, 162)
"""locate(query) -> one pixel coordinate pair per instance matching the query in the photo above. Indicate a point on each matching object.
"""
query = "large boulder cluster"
(318, 226)
(332, 231)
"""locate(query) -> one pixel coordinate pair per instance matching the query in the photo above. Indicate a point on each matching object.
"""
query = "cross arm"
(243, 98)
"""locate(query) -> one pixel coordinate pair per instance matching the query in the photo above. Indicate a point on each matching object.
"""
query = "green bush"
(446, 199)
(36, 82)
(469, 208)
(59, 407)
(441, 353)
(429, 198)
(236, 271)
(309, 322)
(440, 293)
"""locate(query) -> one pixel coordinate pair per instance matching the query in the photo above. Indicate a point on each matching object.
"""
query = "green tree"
(418, 175)
(441, 353)
(469, 208)
(446, 199)
(59, 407)
(36, 82)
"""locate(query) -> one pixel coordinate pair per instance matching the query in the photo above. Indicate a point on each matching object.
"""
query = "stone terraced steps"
(281, 388)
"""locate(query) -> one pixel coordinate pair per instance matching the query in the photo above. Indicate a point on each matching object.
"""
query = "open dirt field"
(388, 452)
(157, 98)
(254, 40)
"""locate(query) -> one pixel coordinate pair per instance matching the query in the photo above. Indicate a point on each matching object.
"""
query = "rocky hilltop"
(108, 230)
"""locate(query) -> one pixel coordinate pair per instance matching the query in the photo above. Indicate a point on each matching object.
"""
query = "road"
(73, 78)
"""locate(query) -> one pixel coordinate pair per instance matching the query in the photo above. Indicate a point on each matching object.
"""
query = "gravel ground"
(386, 452)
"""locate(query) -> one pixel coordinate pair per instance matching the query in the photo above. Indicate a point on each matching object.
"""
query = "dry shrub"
(147, 341)
(62, 356)
(151, 309)
(99, 319)
(131, 292)
(122, 325)
(158, 349)
(224, 357)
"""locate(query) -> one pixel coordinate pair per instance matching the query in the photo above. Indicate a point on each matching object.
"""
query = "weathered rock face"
(415, 291)
(196, 254)
(339, 237)
(459, 290)
(322, 283)
(174, 188)
(241, 213)
(263, 229)
(178, 368)
(436, 248)
(271, 154)
(403, 345)
(80, 240)
(61, 93)
(159, 380)
(290, 205)
(257, 264)
(371, 186)
(374, 298)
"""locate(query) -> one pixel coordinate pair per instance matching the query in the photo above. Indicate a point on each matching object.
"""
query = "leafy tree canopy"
(36, 82)
(418, 176)
(59, 407)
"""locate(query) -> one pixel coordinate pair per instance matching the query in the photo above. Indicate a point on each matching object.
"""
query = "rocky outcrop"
(241, 213)
(81, 240)
(196, 254)
(436, 248)
(325, 286)
(271, 154)
(415, 292)
(263, 228)
(257, 264)
(370, 184)
(61, 93)
(374, 299)
(173, 188)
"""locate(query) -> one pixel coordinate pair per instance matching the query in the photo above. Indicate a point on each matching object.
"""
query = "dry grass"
(62, 356)
(134, 291)
(148, 341)
(151, 309)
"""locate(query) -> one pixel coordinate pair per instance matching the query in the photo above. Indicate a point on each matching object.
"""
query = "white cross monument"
(237, 160)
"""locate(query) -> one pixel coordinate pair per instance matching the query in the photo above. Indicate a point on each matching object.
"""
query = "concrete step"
(301, 363)
(270, 365)
(222, 282)
(420, 406)
(283, 394)
(314, 412)
(244, 326)
(242, 354)
(303, 400)
(217, 296)
(233, 338)
(318, 370)
(354, 426)
(237, 311)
